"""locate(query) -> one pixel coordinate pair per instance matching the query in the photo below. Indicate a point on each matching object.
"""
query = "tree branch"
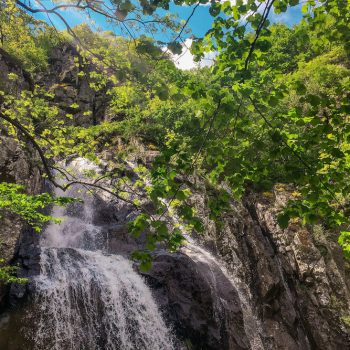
(295, 153)
(257, 33)
(31, 139)
(48, 167)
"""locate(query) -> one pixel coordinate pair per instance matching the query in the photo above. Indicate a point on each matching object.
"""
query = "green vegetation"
(274, 108)
(8, 274)
(13, 199)
(26, 39)
(346, 320)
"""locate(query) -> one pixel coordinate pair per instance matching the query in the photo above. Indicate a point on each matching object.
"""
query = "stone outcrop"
(199, 301)
(19, 80)
(15, 167)
(313, 273)
(18, 164)
(71, 79)
(295, 281)
(298, 279)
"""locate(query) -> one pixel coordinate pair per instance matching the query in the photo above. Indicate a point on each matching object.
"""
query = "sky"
(199, 24)
(202, 20)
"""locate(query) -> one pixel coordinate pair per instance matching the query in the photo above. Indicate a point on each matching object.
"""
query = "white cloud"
(185, 60)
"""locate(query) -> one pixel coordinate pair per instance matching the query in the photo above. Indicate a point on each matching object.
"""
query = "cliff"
(244, 284)
(18, 164)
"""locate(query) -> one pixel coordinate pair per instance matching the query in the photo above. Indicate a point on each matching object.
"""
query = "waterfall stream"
(89, 299)
(252, 325)
(85, 298)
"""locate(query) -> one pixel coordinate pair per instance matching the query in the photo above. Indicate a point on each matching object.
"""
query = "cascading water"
(216, 272)
(252, 325)
(88, 299)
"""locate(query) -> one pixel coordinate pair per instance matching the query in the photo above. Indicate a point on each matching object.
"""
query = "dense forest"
(269, 114)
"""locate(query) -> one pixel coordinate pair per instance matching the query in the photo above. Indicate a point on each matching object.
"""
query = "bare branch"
(31, 139)
(258, 31)
(48, 168)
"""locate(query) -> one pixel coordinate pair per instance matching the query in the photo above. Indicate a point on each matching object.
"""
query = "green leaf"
(175, 47)
(215, 9)
(344, 241)
(283, 220)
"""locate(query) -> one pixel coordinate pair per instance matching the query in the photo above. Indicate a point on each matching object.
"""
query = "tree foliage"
(13, 199)
(274, 108)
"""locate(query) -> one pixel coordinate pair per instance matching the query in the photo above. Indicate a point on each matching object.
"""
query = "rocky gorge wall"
(18, 165)
(243, 284)
(294, 282)
(73, 89)
(298, 279)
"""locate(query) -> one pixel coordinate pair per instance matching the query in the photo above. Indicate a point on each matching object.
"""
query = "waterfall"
(87, 298)
(216, 270)
(198, 254)
(252, 324)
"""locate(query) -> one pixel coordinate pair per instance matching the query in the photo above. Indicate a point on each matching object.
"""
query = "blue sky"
(202, 20)
(199, 23)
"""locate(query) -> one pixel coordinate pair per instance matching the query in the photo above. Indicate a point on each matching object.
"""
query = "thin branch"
(182, 29)
(258, 31)
(186, 23)
(31, 139)
(296, 154)
(48, 167)
(89, 6)
(204, 141)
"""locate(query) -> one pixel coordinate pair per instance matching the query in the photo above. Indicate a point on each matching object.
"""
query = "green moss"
(346, 320)
(318, 232)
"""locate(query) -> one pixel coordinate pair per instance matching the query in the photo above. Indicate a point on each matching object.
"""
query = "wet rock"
(200, 301)
(20, 78)
(69, 79)
(296, 278)
(16, 164)
(15, 167)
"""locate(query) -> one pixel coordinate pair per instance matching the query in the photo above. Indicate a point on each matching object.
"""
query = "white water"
(193, 249)
(89, 300)
(252, 325)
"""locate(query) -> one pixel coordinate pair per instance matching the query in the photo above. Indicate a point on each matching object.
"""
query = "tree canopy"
(273, 108)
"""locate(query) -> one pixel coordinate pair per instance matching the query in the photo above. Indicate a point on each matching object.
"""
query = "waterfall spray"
(88, 299)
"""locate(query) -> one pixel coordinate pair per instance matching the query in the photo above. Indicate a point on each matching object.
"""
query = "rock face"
(70, 78)
(20, 78)
(16, 167)
(298, 280)
(243, 284)
(314, 275)
(294, 281)
(199, 301)
(17, 240)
